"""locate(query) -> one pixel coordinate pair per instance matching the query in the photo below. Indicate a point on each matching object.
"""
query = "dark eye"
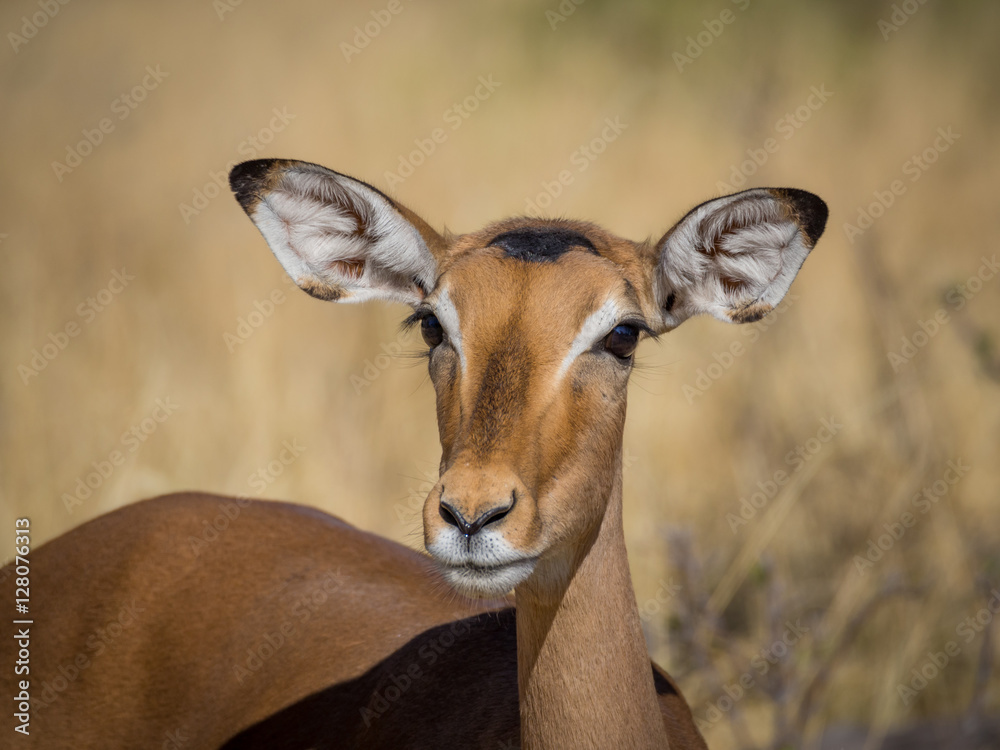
(622, 341)
(431, 330)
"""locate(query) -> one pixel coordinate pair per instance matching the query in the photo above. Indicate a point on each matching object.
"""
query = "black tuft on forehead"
(539, 244)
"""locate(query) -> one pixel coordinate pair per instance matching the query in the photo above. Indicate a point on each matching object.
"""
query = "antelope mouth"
(488, 580)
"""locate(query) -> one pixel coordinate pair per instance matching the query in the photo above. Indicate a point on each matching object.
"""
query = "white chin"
(487, 582)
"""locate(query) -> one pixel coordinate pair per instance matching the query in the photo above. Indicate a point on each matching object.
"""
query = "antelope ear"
(336, 237)
(735, 257)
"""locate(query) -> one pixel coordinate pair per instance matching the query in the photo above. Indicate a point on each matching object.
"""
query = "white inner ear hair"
(731, 252)
(340, 231)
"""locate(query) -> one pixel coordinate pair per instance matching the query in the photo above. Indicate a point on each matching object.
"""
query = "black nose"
(452, 515)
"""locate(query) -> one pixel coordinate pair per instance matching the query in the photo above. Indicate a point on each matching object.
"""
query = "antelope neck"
(584, 676)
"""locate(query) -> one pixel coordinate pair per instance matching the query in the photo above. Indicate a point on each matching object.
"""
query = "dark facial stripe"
(501, 396)
(540, 244)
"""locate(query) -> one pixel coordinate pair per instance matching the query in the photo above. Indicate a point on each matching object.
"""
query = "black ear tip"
(810, 209)
(248, 178)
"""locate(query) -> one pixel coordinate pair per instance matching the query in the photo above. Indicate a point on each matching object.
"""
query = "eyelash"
(414, 319)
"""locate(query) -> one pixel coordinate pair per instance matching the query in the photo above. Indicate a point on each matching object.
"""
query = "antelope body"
(291, 629)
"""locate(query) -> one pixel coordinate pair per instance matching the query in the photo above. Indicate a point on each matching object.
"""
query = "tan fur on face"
(511, 410)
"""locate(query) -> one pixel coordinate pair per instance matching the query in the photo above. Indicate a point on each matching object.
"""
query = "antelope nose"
(453, 516)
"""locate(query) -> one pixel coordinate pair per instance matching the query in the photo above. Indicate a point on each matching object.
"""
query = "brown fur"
(320, 290)
(531, 448)
(170, 671)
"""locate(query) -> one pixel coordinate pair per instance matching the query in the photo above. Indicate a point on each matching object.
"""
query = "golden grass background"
(368, 454)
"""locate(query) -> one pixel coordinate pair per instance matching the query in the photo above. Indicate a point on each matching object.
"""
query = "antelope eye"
(431, 330)
(622, 341)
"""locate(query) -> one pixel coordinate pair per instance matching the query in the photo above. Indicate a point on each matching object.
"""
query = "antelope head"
(531, 327)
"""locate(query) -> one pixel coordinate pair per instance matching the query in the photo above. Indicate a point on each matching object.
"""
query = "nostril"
(450, 515)
(493, 514)
(490, 516)
(454, 517)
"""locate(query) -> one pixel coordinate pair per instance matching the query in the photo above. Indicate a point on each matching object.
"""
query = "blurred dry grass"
(367, 454)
